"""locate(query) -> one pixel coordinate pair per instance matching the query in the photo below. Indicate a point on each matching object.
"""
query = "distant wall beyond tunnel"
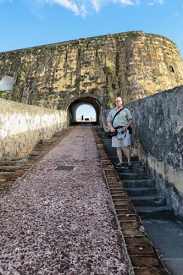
(158, 132)
(22, 126)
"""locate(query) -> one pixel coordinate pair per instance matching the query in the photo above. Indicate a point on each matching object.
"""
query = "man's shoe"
(129, 165)
(119, 165)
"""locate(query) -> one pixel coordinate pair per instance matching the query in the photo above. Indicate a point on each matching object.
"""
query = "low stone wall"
(22, 126)
(158, 137)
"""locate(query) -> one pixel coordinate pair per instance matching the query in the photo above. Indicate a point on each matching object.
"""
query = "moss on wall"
(132, 65)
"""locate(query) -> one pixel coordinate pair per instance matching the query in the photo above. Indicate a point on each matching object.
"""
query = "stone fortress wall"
(132, 64)
(22, 126)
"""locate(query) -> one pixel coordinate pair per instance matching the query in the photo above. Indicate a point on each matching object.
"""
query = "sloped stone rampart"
(158, 137)
(130, 64)
(22, 126)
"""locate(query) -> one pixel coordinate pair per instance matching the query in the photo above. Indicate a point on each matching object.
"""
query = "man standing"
(122, 121)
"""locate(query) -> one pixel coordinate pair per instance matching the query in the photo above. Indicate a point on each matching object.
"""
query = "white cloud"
(156, 2)
(71, 5)
(84, 7)
(96, 4)
(125, 2)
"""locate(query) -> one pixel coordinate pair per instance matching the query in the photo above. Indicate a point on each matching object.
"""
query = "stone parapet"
(22, 126)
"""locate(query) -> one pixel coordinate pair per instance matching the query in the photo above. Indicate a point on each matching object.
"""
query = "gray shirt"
(121, 119)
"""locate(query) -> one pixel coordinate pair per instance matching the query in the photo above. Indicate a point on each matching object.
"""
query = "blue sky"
(27, 23)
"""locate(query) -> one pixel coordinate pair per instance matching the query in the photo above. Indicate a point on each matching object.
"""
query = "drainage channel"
(13, 168)
(141, 256)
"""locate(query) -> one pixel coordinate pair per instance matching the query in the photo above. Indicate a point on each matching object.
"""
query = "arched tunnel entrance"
(91, 111)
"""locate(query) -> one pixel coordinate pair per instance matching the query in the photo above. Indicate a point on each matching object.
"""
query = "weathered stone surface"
(132, 65)
(144, 262)
(22, 126)
(150, 271)
(158, 137)
(141, 250)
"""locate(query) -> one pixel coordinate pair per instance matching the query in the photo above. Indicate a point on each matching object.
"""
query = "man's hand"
(112, 129)
(124, 129)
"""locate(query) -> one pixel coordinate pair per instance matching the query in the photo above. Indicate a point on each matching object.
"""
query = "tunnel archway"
(79, 102)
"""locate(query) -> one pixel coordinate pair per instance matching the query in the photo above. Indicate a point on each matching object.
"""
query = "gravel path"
(58, 222)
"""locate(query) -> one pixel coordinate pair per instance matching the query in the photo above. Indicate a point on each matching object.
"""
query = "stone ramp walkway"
(68, 215)
(56, 218)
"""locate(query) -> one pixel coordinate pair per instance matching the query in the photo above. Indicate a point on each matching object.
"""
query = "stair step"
(148, 201)
(9, 168)
(134, 169)
(135, 163)
(50, 140)
(137, 183)
(13, 162)
(10, 159)
(105, 140)
(142, 191)
(115, 158)
(155, 212)
(34, 153)
(133, 176)
(5, 174)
